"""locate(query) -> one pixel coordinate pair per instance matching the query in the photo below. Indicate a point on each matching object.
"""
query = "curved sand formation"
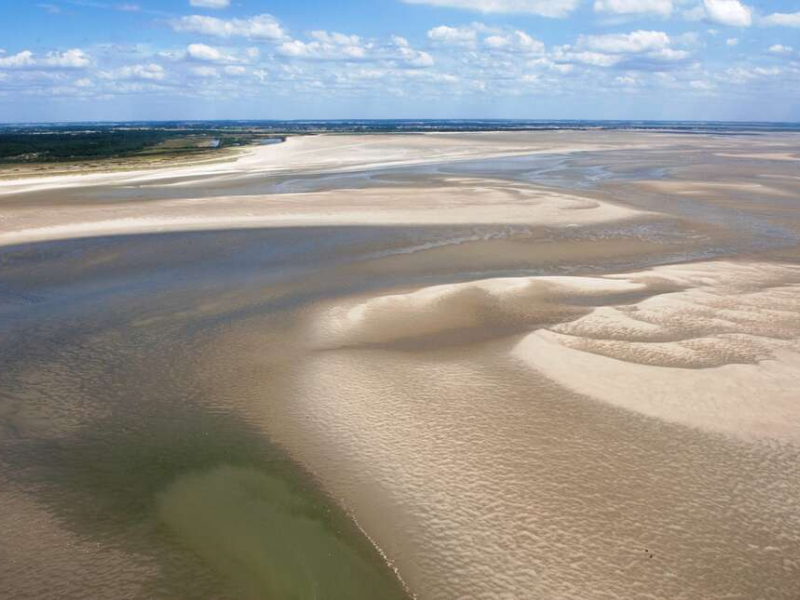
(711, 345)
(458, 201)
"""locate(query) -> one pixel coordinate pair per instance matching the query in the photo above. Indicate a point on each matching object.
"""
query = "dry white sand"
(711, 345)
(467, 201)
(761, 156)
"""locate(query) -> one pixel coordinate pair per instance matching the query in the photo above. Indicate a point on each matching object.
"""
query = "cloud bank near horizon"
(498, 58)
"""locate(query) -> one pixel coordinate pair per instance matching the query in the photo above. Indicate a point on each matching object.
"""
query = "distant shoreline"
(44, 149)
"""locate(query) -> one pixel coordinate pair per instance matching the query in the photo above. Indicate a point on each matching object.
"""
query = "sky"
(94, 60)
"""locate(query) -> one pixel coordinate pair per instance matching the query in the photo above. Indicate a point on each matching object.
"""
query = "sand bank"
(461, 201)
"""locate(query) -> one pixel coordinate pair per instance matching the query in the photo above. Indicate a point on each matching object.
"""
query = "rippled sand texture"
(521, 365)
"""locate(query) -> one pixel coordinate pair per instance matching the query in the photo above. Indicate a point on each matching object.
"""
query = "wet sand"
(510, 365)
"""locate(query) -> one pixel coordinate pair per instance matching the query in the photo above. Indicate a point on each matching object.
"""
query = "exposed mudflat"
(501, 365)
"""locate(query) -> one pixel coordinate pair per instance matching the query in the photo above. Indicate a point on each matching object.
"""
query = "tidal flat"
(554, 364)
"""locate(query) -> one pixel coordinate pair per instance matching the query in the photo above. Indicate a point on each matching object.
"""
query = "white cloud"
(627, 80)
(782, 19)
(595, 59)
(741, 75)
(326, 46)
(459, 36)
(210, 3)
(70, 59)
(516, 41)
(149, 72)
(634, 7)
(205, 53)
(411, 57)
(780, 49)
(208, 53)
(551, 65)
(336, 39)
(621, 43)
(204, 71)
(703, 86)
(260, 27)
(416, 58)
(497, 41)
(638, 50)
(697, 13)
(543, 8)
(728, 12)
(400, 41)
(668, 55)
(21, 59)
(236, 71)
(732, 42)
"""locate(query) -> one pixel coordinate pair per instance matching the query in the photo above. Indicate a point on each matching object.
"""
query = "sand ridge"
(711, 345)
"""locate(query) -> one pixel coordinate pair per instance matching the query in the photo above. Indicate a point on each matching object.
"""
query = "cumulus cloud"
(634, 7)
(416, 58)
(782, 19)
(409, 55)
(70, 59)
(516, 41)
(205, 53)
(21, 59)
(459, 36)
(204, 72)
(619, 43)
(668, 55)
(259, 27)
(210, 3)
(740, 75)
(148, 72)
(780, 49)
(543, 8)
(448, 61)
(728, 12)
(595, 59)
(638, 50)
(326, 46)
(702, 85)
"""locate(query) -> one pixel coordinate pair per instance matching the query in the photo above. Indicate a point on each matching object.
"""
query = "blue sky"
(298, 59)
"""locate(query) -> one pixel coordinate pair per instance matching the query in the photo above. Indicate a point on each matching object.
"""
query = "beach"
(554, 364)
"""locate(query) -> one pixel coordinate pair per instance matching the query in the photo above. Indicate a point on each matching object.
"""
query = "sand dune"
(496, 303)
(722, 354)
(712, 345)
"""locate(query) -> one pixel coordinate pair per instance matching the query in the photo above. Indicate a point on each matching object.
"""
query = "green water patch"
(269, 539)
(205, 501)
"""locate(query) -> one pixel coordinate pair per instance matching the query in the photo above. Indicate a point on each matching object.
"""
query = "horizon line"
(399, 120)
